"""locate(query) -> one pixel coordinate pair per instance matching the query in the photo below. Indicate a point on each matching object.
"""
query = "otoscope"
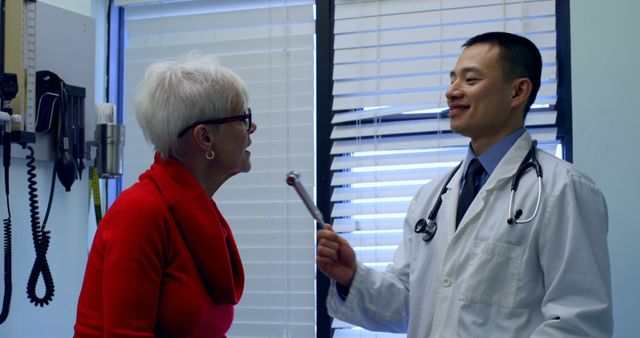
(293, 179)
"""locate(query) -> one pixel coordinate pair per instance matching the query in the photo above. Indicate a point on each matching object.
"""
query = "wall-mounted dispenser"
(109, 141)
(108, 160)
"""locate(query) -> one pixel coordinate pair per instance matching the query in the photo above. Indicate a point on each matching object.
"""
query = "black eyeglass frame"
(242, 117)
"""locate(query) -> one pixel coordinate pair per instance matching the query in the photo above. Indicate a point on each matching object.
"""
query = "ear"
(203, 137)
(521, 90)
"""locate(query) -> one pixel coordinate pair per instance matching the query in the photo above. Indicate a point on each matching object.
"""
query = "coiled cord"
(6, 300)
(41, 237)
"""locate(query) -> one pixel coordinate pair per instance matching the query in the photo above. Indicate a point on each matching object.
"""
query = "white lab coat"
(546, 278)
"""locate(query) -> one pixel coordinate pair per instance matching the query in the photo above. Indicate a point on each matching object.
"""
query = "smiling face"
(482, 104)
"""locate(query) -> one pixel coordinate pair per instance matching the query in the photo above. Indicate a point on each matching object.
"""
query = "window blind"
(390, 131)
(270, 44)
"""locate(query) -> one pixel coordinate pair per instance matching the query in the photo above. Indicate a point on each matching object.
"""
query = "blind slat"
(421, 142)
(161, 37)
(345, 225)
(367, 239)
(411, 81)
(347, 194)
(420, 50)
(426, 98)
(451, 16)
(421, 126)
(357, 8)
(421, 34)
(245, 60)
(351, 210)
(355, 162)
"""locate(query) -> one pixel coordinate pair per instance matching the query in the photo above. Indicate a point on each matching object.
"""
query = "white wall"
(96, 9)
(66, 255)
(70, 211)
(83, 7)
(606, 118)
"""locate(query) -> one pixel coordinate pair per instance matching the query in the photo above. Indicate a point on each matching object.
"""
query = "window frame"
(324, 103)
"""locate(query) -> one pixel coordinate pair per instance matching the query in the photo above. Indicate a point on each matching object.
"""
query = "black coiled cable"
(6, 160)
(41, 237)
(6, 300)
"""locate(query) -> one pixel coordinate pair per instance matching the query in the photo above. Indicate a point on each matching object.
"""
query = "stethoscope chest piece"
(428, 229)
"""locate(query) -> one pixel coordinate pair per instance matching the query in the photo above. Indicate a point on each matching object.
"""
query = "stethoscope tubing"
(429, 226)
(529, 161)
(511, 217)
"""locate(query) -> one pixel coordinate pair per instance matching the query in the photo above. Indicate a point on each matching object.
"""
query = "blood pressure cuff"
(49, 99)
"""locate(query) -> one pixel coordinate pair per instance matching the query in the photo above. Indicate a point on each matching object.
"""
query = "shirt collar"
(490, 158)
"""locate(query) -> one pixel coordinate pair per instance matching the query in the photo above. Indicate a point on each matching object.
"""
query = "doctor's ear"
(521, 90)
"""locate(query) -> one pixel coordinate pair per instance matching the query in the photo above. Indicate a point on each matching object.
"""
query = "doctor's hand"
(335, 257)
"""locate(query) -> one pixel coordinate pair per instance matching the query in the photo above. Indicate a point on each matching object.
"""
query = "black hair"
(520, 58)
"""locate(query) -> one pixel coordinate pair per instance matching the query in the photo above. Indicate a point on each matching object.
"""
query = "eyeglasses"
(246, 118)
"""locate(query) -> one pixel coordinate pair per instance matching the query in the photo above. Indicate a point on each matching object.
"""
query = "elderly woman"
(164, 262)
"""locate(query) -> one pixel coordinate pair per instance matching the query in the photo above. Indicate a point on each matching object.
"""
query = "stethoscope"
(429, 226)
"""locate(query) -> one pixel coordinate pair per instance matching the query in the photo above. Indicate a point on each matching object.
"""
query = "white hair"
(174, 94)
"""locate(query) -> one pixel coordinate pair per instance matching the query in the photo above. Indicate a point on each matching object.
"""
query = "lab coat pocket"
(491, 275)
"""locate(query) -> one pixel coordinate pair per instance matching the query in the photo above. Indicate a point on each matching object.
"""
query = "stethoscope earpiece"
(518, 213)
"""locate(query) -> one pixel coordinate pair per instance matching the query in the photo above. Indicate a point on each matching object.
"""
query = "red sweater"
(163, 263)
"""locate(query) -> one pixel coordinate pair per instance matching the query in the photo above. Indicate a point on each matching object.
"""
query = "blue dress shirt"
(490, 158)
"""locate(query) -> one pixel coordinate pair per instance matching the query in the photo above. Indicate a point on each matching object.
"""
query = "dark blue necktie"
(470, 188)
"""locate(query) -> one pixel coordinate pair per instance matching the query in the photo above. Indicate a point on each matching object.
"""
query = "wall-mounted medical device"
(60, 113)
(40, 115)
(8, 90)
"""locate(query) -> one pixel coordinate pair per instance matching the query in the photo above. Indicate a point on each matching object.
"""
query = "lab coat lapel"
(504, 171)
(509, 164)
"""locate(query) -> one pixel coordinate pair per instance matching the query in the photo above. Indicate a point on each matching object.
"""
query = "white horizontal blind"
(391, 68)
(270, 44)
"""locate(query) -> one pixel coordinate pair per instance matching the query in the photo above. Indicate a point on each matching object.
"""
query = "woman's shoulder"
(142, 197)
(138, 224)
(139, 208)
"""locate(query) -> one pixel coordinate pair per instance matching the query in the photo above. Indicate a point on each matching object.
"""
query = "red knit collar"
(204, 229)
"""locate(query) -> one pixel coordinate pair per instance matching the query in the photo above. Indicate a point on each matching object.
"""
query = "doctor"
(480, 276)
